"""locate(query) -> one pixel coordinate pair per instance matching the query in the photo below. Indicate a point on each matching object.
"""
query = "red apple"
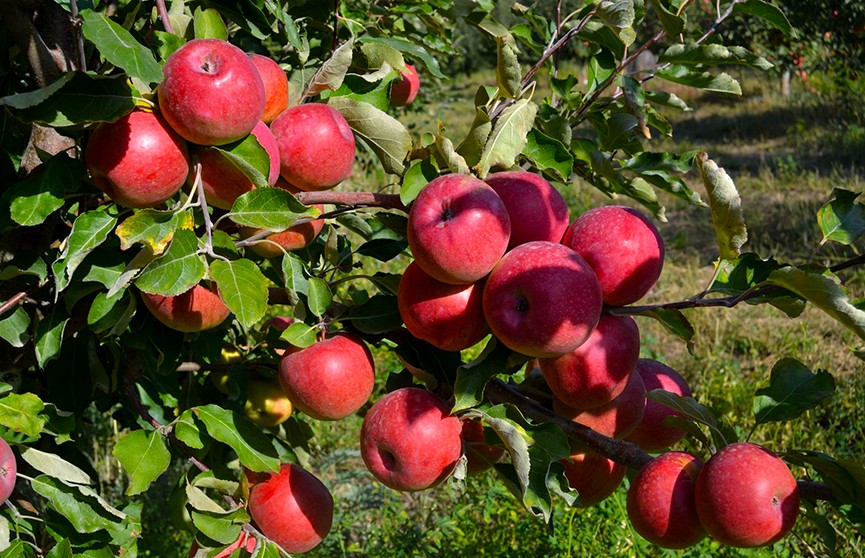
(536, 209)
(197, 309)
(244, 541)
(593, 476)
(404, 90)
(661, 503)
(275, 86)
(293, 238)
(480, 456)
(316, 146)
(223, 181)
(8, 470)
(458, 228)
(212, 93)
(651, 434)
(616, 419)
(596, 372)
(746, 496)
(139, 161)
(330, 379)
(292, 508)
(450, 317)
(266, 404)
(409, 441)
(542, 300)
(623, 247)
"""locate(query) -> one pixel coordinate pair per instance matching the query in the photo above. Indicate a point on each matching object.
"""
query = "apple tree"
(214, 217)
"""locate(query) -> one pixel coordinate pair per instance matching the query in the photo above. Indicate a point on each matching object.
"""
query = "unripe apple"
(197, 309)
(651, 434)
(593, 476)
(409, 441)
(275, 86)
(661, 503)
(212, 93)
(746, 496)
(458, 229)
(8, 470)
(266, 404)
(616, 419)
(316, 146)
(542, 299)
(293, 238)
(536, 209)
(139, 161)
(623, 247)
(292, 508)
(330, 379)
(450, 317)
(404, 89)
(596, 372)
(480, 456)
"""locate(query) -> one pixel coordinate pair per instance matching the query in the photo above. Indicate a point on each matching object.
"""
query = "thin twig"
(12, 302)
(163, 16)
(369, 199)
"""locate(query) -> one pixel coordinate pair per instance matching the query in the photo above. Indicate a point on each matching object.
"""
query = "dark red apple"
(275, 86)
(404, 89)
(536, 209)
(593, 476)
(651, 434)
(616, 419)
(197, 309)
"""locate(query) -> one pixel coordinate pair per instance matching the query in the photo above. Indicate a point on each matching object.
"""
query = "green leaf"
(293, 272)
(13, 327)
(508, 71)
(89, 231)
(714, 54)
(187, 430)
(33, 200)
(24, 264)
(842, 219)
(300, 334)
(675, 322)
(384, 134)
(332, 72)
(407, 47)
(767, 12)
(243, 288)
(252, 447)
(508, 137)
(726, 207)
(319, 296)
(845, 477)
(619, 15)
(549, 154)
(153, 228)
(452, 160)
(55, 466)
(672, 23)
(377, 315)
(144, 456)
(208, 24)
(416, 177)
(63, 549)
(176, 271)
(472, 378)
(687, 407)
(250, 157)
(85, 512)
(792, 390)
(216, 526)
(75, 98)
(472, 147)
(49, 336)
(20, 412)
(273, 209)
(683, 75)
(118, 46)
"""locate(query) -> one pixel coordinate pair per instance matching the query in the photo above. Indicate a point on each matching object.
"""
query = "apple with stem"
(536, 209)
(404, 89)
(198, 309)
(275, 86)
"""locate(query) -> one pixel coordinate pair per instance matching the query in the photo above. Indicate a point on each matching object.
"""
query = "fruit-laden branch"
(355, 199)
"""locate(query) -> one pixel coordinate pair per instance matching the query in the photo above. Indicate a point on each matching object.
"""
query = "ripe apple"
(224, 182)
(293, 238)
(661, 503)
(404, 90)
(536, 209)
(593, 476)
(244, 541)
(212, 93)
(409, 441)
(623, 247)
(458, 228)
(266, 404)
(330, 379)
(292, 508)
(275, 86)
(542, 299)
(651, 434)
(746, 496)
(139, 161)
(596, 372)
(8, 470)
(450, 317)
(197, 309)
(316, 146)
(616, 419)
(480, 456)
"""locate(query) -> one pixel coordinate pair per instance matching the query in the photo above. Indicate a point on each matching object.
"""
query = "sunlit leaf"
(243, 288)
(726, 206)
(119, 47)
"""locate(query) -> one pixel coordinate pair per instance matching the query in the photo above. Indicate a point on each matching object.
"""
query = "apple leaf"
(473, 377)
(842, 219)
(220, 528)
(619, 16)
(672, 23)
(32, 201)
(49, 336)
(407, 47)
(549, 154)
(85, 512)
(377, 315)
(144, 456)
(118, 46)
(713, 54)
(208, 24)
(472, 147)
(55, 466)
(243, 287)
(508, 137)
(179, 269)
(767, 12)
(384, 134)
(89, 231)
(300, 334)
(273, 209)
(188, 431)
(675, 322)
(419, 174)
(153, 228)
(508, 71)
(726, 207)
(332, 72)
(111, 314)
(250, 157)
(845, 477)
(319, 296)
(14, 327)
(687, 407)
(21, 413)
(251, 445)
(293, 273)
(684, 75)
(792, 390)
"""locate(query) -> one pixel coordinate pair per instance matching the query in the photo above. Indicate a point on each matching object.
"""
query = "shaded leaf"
(332, 72)
(845, 477)
(384, 134)
(49, 336)
(243, 288)
(85, 512)
(689, 408)
(683, 75)
(250, 157)
(508, 71)
(675, 322)
(418, 175)
(176, 271)
(118, 46)
(726, 207)
(672, 23)
(472, 147)
(218, 527)
(33, 200)
(842, 219)
(549, 154)
(767, 12)
(379, 314)
(89, 231)
(792, 390)
(14, 326)
(410, 48)
(319, 296)
(144, 456)
(473, 377)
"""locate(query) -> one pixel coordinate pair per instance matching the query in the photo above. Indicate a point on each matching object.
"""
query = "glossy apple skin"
(275, 86)
(266, 403)
(212, 93)
(616, 419)
(293, 238)
(404, 90)
(623, 247)
(536, 209)
(8, 470)
(596, 372)
(651, 434)
(450, 317)
(458, 229)
(223, 182)
(244, 541)
(330, 379)
(409, 441)
(316, 146)
(198, 309)
(542, 300)
(292, 508)
(661, 503)
(480, 456)
(746, 496)
(593, 476)
(139, 161)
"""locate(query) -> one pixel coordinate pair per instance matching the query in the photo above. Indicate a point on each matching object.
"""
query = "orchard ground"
(785, 156)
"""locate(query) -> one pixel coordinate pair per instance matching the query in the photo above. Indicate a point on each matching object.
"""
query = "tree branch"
(357, 199)
(164, 17)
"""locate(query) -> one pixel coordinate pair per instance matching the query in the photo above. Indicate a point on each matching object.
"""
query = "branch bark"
(356, 199)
